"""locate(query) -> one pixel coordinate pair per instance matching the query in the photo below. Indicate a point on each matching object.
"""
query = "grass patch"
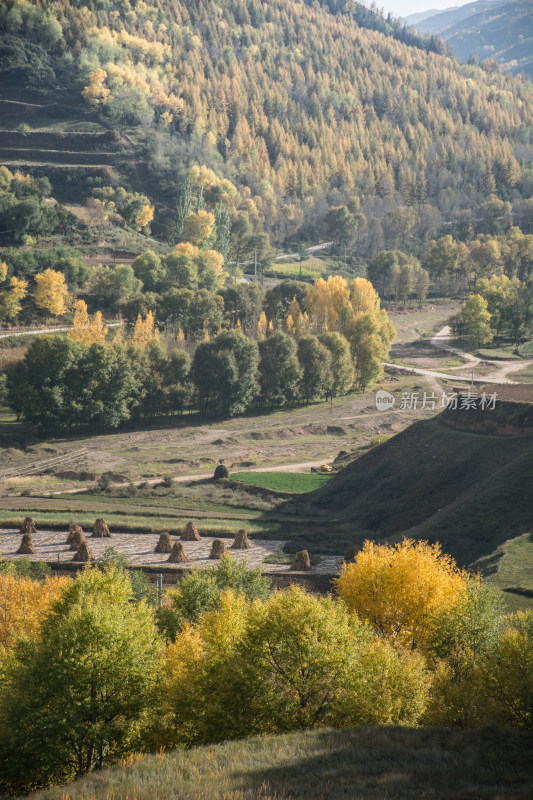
(502, 353)
(310, 268)
(290, 482)
(361, 764)
(512, 568)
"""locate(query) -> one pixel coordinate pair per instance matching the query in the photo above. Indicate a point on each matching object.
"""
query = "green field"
(290, 482)
(384, 763)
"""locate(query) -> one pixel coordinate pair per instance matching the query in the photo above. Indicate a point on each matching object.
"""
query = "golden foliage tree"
(401, 589)
(197, 228)
(12, 296)
(23, 605)
(51, 292)
(86, 330)
(96, 92)
(145, 331)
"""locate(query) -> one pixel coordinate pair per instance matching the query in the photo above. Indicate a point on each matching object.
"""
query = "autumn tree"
(197, 228)
(145, 331)
(476, 318)
(86, 330)
(292, 662)
(11, 296)
(25, 603)
(51, 292)
(65, 716)
(401, 589)
(96, 92)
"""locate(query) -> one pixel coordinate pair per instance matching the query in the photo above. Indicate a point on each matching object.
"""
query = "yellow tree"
(328, 303)
(262, 325)
(400, 590)
(144, 217)
(81, 323)
(23, 604)
(198, 227)
(145, 331)
(51, 292)
(12, 297)
(363, 296)
(95, 92)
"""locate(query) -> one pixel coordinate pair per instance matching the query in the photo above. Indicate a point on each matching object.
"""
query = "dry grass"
(359, 764)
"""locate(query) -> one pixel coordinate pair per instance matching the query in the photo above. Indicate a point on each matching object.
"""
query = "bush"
(221, 471)
(295, 661)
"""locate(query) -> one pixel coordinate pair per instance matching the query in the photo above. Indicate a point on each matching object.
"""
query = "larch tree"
(51, 292)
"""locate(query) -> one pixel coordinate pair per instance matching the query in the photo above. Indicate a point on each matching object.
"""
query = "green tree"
(149, 269)
(279, 370)
(224, 371)
(200, 591)
(341, 226)
(71, 700)
(315, 363)
(342, 373)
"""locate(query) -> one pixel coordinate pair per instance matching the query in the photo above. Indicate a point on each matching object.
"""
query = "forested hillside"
(301, 106)
(488, 29)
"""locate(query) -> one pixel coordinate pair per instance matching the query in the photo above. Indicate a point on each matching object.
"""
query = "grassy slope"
(367, 763)
(466, 490)
(511, 567)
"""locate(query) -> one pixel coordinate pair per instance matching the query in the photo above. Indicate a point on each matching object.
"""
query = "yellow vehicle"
(325, 468)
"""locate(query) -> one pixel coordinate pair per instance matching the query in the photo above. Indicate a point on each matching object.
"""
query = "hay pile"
(241, 541)
(218, 549)
(75, 534)
(83, 553)
(301, 561)
(77, 538)
(221, 471)
(164, 545)
(26, 546)
(28, 526)
(177, 556)
(100, 530)
(191, 533)
(350, 553)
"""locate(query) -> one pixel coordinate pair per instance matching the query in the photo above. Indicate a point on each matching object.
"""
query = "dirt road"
(442, 340)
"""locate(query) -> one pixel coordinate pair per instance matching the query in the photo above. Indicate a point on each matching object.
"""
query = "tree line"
(91, 671)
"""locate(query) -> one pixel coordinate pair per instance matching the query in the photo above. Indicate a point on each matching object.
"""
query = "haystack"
(83, 553)
(301, 561)
(26, 546)
(100, 530)
(75, 534)
(218, 549)
(191, 533)
(164, 545)
(77, 538)
(177, 556)
(241, 541)
(350, 553)
(28, 526)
